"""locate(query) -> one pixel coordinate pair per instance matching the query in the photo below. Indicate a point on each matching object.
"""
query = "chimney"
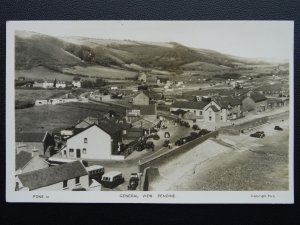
(34, 152)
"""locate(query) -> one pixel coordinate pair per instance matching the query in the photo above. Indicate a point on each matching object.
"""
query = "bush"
(23, 104)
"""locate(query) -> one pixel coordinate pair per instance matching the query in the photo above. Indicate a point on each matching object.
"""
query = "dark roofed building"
(254, 101)
(29, 141)
(57, 178)
(193, 107)
(189, 105)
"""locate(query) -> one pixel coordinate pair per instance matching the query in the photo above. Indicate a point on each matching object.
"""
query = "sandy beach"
(253, 164)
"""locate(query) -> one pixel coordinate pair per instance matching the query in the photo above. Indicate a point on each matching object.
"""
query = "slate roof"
(146, 109)
(189, 105)
(29, 137)
(22, 158)
(225, 101)
(144, 92)
(52, 175)
(214, 108)
(257, 97)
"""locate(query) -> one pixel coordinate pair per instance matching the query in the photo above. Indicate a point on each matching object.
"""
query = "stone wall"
(173, 153)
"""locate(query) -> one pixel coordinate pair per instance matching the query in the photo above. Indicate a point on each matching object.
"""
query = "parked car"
(203, 132)
(163, 127)
(149, 145)
(166, 143)
(167, 134)
(194, 135)
(179, 142)
(156, 137)
(140, 146)
(278, 128)
(184, 123)
(258, 134)
(195, 127)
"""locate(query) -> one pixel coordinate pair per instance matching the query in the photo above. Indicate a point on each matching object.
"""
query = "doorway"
(78, 153)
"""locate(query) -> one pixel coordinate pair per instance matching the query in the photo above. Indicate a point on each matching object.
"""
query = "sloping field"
(40, 72)
(100, 71)
(204, 66)
(32, 95)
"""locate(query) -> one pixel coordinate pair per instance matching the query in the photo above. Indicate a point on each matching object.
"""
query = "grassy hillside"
(61, 54)
(40, 50)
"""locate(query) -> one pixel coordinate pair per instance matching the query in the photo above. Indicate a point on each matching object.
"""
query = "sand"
(253, 164)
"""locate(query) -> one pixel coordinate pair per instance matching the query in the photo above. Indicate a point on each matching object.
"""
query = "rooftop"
(112, 174)
(146, 109)
(224, 102)
(52, 175)
(189, 105)
(257, 97)
(22, 158)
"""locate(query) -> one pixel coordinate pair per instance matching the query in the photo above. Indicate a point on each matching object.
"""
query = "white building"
(60, 84)
(48, 84)
(76, 82)
(93, 142)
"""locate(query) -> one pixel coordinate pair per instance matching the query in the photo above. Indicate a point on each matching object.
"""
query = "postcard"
(150, 111)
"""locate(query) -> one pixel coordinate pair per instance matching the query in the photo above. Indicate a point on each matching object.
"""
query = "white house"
(93, 142)
(60, 84)
(222, 109)
(66, 177)
(76, 82)
(48, 84)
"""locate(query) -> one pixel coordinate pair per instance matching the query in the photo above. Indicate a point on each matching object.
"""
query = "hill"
(63, 54)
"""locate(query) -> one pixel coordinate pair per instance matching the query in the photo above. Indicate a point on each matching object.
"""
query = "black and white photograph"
(149, 111)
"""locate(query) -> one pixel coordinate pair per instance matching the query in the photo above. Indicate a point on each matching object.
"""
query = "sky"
(251, 39)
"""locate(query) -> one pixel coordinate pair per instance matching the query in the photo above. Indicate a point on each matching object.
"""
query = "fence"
(173, 153)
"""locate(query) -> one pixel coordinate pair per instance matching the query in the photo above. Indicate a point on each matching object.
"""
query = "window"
(65, 152)
(210, 118)
(209, 112)
(85, 140)
(200, 113)
(71, 152)
(84, 151)
(65, 184)
(77, 180)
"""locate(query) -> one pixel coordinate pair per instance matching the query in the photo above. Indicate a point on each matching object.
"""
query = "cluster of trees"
(228, 76)
(23, 104)
(85, 53)
(93, 84)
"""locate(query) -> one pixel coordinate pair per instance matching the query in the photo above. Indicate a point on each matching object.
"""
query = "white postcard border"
(192, 197)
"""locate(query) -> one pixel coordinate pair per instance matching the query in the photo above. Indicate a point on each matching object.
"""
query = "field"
(40, 72)
(48, 117)
(100, 71)
(31, 95)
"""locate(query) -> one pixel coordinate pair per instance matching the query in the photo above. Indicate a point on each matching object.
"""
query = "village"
(162, 118)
